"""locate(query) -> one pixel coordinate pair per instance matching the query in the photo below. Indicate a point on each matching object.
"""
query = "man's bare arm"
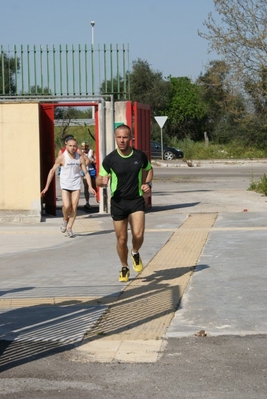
(102, 181)
(149, 175)
(51, 173)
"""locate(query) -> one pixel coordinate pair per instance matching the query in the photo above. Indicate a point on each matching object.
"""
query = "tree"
(37, 90)
(228, 117)
(222, 102)
(66, 114)
(185, 109)
(8, 68)
(241, 39)
(114, 86)
(257, 92)
(148, 86)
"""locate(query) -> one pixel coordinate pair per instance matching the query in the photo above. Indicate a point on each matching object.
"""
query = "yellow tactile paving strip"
(146, 307)
(85, 224)
(54, 301)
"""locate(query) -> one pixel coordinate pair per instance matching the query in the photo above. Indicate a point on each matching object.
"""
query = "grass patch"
(80, 133)
(260, 186)
(199, 150)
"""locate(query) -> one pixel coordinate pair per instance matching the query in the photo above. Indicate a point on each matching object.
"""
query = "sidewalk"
(66, 291)
(79, 277)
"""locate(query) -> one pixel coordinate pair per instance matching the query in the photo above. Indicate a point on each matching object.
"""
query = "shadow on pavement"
(161, 208)
(45, 330)
(15, 290)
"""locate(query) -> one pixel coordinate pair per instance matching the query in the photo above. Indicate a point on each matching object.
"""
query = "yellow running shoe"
(137, 263)
(124, 274)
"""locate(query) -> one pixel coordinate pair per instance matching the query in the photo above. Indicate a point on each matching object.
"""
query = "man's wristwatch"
(149, 184)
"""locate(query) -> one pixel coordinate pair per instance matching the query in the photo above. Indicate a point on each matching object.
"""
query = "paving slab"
(227, 293)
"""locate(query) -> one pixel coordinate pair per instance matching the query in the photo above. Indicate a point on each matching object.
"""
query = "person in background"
(91, 167)
(124, 168)
(70, 182)
(66, 139)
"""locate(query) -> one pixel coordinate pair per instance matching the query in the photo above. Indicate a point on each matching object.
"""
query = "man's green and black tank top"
(125, 173)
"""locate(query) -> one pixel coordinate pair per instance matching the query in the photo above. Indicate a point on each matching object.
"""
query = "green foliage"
(185, 108)
(68, 114)
(258, 92)
(250, 131)
(211, 105)
(148, 86)
(239, 36)
(226, 109)
(144, 85)
(40, 90)
(200, 150)
(8, 67)
(260, 186)
(115, 86)
(80, 133)
(185, 100)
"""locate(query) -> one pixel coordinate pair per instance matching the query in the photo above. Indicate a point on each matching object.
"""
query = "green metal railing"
(64, 71)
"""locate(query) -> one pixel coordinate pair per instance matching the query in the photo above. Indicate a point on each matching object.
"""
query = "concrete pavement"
(66, 291)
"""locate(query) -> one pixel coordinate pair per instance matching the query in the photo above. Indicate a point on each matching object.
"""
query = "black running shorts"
(122, 208)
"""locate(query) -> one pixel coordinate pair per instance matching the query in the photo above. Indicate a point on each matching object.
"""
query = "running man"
(124, 168)
(70, 182)
(66, 139)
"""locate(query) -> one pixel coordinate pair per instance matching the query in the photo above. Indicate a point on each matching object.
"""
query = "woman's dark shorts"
(122, 208)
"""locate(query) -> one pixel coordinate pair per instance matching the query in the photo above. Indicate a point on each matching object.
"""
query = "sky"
(163, 33)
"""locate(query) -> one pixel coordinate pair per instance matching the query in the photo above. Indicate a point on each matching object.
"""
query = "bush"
(259, 186)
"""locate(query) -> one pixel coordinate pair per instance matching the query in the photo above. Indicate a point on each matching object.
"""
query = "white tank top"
(70, 178)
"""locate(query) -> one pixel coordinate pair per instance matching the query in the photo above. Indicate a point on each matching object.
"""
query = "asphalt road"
(210, 187)
(224, 367)
(211, 368)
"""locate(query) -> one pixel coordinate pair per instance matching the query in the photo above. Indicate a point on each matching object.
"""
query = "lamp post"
(93, 43)
(93, 38)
